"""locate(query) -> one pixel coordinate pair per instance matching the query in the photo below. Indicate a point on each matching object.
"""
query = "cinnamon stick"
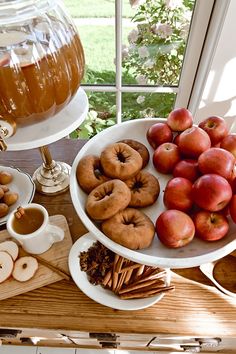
(119, 264)
(109, 284)
(114, 272)
(120, 282)
(128, 276)
(140, 271)
(150, 270)
(157, 285)
(153, 275)
(144, 294)
(131, 287)
(129, 267)
(115, 261)
(107, 278)
(19, 212)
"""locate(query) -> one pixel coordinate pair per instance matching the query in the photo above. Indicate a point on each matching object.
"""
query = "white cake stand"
(52, 177)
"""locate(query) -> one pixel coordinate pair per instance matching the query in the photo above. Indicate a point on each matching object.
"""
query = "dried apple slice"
(6, 266)
(25, 268)
(11, 248)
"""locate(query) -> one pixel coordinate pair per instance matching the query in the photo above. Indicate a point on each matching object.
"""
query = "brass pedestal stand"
(51, 178)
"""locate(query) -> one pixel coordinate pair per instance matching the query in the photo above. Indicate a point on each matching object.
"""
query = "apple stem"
(213, 218)
(211, 124)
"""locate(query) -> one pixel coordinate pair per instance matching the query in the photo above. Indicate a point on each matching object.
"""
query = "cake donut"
(107, 199)
(120, 161)
(144, 188)
(130, 228)
(89, 173)
(140, 148)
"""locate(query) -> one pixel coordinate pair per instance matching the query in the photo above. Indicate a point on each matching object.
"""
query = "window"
(141, 56)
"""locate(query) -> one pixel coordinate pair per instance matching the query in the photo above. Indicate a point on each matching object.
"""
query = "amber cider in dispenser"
(38, 78)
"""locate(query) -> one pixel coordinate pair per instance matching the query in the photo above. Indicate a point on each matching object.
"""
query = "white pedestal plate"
(52, 177)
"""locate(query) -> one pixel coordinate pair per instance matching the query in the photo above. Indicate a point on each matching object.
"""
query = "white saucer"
(97, 293)
(22, 184)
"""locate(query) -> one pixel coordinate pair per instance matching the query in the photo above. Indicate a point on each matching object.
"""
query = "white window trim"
(200, 20)
(213, 35)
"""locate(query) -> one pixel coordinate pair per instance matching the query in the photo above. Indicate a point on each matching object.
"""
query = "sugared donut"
(144, 188)
(120, 161)
(107, 199)
(89, 173)
(130, 228)
(140, 148)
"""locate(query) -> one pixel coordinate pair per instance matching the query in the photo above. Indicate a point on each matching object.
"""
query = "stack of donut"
(118, 186)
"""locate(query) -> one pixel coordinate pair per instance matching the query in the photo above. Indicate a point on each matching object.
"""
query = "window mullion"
(131, 88)
(118, 27)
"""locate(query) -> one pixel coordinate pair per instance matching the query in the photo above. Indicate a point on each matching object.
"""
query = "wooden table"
(195, 308)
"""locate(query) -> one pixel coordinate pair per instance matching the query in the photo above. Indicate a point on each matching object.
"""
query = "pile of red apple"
(201, 196)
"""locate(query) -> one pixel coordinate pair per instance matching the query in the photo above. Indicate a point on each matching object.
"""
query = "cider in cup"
(29, 225)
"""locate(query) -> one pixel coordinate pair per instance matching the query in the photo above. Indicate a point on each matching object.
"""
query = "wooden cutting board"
(57, 255)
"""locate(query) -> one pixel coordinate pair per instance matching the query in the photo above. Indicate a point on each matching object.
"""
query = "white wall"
(218, 96)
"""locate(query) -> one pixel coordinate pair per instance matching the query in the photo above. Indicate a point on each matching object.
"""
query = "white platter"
(195, 253)
(22, 184)
(97, 293)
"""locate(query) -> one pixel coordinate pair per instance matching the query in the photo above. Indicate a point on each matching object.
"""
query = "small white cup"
(40, 240)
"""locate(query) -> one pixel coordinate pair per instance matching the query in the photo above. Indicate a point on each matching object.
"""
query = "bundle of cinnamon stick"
(131, 280)
(127, 279)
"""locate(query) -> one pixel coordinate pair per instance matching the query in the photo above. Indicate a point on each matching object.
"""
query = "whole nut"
(10, 198)
(1, 192)
(5, 177)
(3, 209)
(4, 188)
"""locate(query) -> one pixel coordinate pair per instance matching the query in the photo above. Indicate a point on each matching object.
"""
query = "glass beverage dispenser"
(41, 64)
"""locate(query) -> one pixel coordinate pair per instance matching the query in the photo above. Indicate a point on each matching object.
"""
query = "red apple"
(211, 192)
(175, 228)
(216, 145)
(188, 169)
(233, 185)
(176, 139)
(232, 177)
(215, 127)
(225, 211)
(229, 144)
(158, 134)
(165, 157)
(193, 141)
(216, 160)
(177, 194)
(210, 226)
(232, 208)
(180, 119)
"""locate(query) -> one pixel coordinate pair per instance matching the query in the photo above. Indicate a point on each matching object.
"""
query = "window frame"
(213, 34)
(201, 18)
